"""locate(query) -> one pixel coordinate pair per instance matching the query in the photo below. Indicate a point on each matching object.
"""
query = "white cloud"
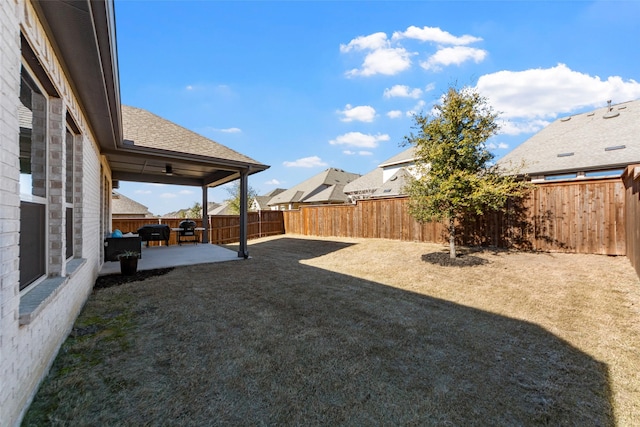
(394, 114)
(360, 153)
(371, 42)
(453, 56)
(185, 192)
(402, 91)
(389, 57)
(387, 61)
(500, 146)
(168, 195)
(362, 113)
(544, 93)
(417, 109)
(189, 87)
(223, 130)
(305, 162)
(517, 127)
(434, 34)
(273, 182)
(358, 139)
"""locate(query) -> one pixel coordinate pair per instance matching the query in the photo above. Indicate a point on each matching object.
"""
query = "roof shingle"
(583, 142)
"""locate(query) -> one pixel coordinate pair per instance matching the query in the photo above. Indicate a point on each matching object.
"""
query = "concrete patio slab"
(173, 256)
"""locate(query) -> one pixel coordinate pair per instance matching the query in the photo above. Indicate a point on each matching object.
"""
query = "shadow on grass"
(273, 341)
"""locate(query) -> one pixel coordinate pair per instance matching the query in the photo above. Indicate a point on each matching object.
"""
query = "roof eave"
(83, 35)
(595, 168)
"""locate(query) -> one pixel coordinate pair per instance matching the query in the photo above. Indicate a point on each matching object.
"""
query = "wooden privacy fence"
(586, 216)
(631, 179)
(222, 228)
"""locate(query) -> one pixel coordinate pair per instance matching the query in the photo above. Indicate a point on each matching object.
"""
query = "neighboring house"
(124, 207)
(261, 203)
(325, 188)
(188, 213)
(598, 143)
(387, 180)
(222, 209)
(62, 148)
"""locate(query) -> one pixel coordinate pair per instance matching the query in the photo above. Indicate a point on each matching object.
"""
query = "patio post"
(244, 184)
(205, 214)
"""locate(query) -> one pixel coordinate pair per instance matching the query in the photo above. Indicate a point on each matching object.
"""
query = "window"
(560, 177)
(69, 166)
(33, 177)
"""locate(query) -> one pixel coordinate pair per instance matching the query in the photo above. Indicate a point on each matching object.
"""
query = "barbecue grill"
(187, 232)
(155, 232)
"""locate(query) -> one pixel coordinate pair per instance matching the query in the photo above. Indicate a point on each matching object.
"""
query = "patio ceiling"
(149, 165)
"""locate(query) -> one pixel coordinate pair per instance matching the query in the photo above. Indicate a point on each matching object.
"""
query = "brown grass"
(357, 332)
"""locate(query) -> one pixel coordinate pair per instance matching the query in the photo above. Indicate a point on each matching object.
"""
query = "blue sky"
(303, 86)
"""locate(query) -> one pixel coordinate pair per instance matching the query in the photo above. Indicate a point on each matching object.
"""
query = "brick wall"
(27, 349)
(9, 202)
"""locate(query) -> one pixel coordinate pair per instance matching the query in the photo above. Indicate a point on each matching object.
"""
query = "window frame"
(30, 198)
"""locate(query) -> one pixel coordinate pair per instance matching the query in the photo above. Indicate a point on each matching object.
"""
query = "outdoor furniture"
(186, 232)
(155, 233)
(114, 246)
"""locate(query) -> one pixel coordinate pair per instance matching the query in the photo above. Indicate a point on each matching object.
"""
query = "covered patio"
(156, 150)
(154, 257)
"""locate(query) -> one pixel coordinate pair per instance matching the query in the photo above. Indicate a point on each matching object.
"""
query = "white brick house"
(61, 145)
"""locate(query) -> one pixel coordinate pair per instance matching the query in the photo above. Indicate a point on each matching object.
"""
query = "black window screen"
(32, 242)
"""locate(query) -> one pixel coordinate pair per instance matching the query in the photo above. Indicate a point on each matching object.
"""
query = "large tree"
(233, 190)
(455, 174)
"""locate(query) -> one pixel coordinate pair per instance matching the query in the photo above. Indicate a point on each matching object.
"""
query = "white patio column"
(205, 214)
(244, 184)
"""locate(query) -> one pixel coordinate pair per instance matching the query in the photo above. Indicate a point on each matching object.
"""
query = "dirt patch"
(445, 260)
(110, 280)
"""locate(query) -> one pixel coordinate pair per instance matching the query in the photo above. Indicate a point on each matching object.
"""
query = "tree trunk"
(452, 237)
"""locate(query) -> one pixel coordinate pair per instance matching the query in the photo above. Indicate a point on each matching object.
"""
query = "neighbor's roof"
(223, 209)
(606, 138)
(373, 180)
(263, 201)
(327, 186)
(395, 185)
(122, 205)
(407, 156)
(146, 129)
(367, 182)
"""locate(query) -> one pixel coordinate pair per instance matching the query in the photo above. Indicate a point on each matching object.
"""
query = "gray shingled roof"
(146, 129)
(583, 142)
(368, 182)
(407, 156)
(372, 181)
(122, 205)
(324, 187)
(223, 209)
(394, 185)
(263, 201)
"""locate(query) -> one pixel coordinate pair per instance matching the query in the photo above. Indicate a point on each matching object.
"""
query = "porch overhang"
(82, 33)
(143, 164)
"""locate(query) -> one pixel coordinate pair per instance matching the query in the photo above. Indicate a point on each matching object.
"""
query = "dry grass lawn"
(357, 332)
